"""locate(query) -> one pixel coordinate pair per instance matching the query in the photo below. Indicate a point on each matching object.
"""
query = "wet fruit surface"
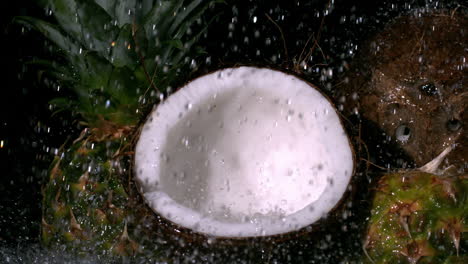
(418, 217)
(410, 81)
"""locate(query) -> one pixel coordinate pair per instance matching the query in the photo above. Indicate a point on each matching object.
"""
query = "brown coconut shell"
(412, 77)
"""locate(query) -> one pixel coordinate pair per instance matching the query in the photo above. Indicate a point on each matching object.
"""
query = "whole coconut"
(410, 81)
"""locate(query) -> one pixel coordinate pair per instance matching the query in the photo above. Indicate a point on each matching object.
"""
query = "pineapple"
(118, 58)
(419, 216)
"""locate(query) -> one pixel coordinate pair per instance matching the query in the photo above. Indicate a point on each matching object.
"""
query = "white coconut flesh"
(244, 152)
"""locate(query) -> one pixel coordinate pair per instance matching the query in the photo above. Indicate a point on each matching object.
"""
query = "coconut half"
(244, 152)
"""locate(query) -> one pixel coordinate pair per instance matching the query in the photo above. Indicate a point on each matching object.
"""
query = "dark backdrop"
(28, 131)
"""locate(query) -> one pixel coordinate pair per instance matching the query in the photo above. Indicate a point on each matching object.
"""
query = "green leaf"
(169, 17)
(176, 43)
(153, 25)
(119, 10)
(62, 104)
(125, 11)
(51, 32)
(146, 6)
(177, 57)
(97, 27)
(123, 50)
(181, 24)
(111, 52)
(166, 28)
(95, 75)
(122, 86)
(65, 13)
(87, 22)
(52, 68)
(107, 91)
(187, 16)
(108, 5)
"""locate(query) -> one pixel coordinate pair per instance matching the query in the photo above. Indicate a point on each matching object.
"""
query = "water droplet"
(454, 125)
(185, 142)
(227, 184)
(429, 89)
(211, 108)
(257, 34)
(403, 133)
(165, 158)
(181, 175)
(193, 64)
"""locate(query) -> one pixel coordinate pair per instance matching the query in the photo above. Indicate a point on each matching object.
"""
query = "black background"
(21, 107)
(23, 161)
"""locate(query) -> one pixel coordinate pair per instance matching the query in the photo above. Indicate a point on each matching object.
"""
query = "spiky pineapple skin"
(86, 205)
(418, 217)
(92, 206)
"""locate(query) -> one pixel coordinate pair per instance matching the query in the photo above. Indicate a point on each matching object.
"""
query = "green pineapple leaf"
(108, 5)
(123, 11)
(51, 69)
(196, 8)
(122, 52)
(116, 50)
(50, 31)
(94, 34)
(66, 15)
(62, 104)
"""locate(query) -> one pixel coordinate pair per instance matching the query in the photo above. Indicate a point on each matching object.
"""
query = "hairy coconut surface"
(410, 81)
(244, 152)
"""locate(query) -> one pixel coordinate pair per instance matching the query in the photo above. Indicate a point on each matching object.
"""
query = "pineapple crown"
(112, 53)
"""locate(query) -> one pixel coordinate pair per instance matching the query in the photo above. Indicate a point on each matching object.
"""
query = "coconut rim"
(184, 230)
